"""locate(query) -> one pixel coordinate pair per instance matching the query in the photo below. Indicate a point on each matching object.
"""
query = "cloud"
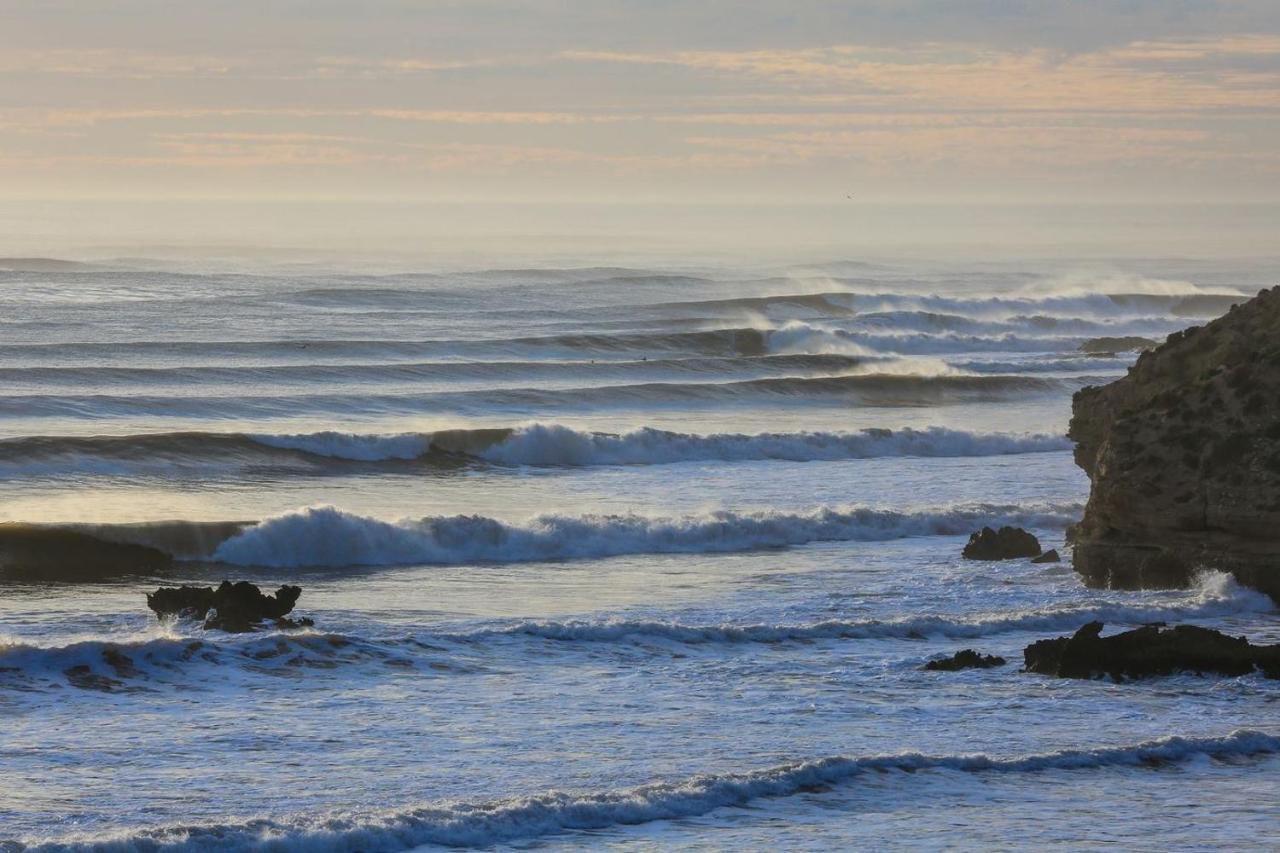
(958, 77)
(781, 114)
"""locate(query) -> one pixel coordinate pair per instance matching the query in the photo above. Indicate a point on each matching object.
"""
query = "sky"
(651, 102)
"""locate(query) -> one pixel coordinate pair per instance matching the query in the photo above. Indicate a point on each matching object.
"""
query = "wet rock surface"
(964, 659)
(1183, 455)
(1149, 651)
(1050, 556)
(1007, 543)
(234, 607)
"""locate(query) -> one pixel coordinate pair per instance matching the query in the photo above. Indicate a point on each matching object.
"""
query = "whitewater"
(598, 557)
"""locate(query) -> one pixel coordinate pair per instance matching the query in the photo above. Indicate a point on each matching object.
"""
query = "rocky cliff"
(1184, 458)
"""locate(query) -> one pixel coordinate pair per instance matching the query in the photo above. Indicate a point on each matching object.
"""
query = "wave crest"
(486, 823)
(551, 444)
(325, 536)
(535, 444)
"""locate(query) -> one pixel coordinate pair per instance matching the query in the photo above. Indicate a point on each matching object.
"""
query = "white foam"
(118, 662)
(460, 824)
(799, 337)
(1216, 595)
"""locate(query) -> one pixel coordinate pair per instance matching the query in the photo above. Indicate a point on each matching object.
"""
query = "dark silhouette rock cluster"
(1148, 651)
(232, 607)
(1007, 543)
(964, 659)
(1184, 458)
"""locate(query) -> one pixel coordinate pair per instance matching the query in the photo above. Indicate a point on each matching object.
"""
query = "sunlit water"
(676, 596)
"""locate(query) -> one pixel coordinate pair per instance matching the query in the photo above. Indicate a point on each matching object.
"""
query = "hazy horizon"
(400, 235)
(143, 118)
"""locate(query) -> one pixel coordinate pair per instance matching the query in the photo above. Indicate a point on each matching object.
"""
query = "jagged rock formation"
(1007, 543)
(964, 659)
(1147, 651)
(1184, 458)
(237, 607)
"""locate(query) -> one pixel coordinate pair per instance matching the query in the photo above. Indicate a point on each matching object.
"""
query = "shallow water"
(597, 558)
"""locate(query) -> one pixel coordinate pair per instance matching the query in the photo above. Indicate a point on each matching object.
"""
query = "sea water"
(597, 557)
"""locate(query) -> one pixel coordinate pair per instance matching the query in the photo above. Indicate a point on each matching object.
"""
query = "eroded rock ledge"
(1148, 651)
(1184, 458)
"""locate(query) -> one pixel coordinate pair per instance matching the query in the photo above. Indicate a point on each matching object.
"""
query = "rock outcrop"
(1007, 543)
(964, 659)
(1184, 458)
(1147, 651)
(237, 607)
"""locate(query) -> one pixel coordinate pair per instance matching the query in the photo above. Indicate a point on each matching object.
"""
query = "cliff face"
(1184, 458)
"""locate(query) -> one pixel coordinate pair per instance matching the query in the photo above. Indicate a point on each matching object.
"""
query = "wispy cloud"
(1127, 113)
(960, 76)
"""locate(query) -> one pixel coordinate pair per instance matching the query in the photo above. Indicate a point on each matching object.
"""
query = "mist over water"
(618, 555)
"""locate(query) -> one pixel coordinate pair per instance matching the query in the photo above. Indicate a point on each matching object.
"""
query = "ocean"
(598, 557)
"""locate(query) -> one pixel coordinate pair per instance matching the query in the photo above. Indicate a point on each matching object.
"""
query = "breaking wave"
(548, 444)
(477, 824)
(112, 666)
(534, 444)
(138, 664)
(325, 536)
(328, 537)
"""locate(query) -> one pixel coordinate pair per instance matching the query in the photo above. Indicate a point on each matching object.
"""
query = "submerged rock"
(1050, 556)
(1111, 346)
(965, 659)
(1184, 458)
(237, 607)
(1147, 651)
(1007, 543)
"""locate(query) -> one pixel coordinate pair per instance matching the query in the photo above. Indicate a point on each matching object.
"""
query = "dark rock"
(237, 607)
(1147, 651)
(1184, 458)
(83, 677)
(1050, 556)
(965, 659)
(1111, 346)
(1007, 543)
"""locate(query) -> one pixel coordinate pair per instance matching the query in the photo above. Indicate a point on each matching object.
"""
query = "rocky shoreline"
(1183, 455)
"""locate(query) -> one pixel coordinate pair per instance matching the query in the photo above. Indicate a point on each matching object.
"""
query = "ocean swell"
(461, 824)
